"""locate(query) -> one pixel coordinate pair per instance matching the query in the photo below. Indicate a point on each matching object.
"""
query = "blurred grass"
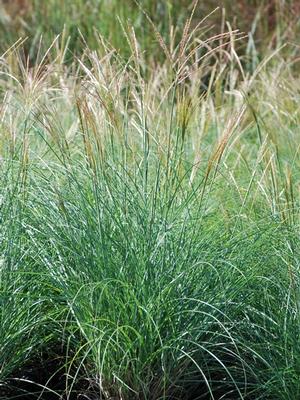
(268, 22)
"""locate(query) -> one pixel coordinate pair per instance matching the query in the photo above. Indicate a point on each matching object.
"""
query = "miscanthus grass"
(149, 224)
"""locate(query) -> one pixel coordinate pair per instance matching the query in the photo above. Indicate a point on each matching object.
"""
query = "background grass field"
(149, 196)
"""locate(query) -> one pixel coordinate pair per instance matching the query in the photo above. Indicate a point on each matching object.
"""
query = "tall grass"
(269, 23)
(150, 222)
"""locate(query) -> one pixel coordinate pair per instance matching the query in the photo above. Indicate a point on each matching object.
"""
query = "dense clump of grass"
(150, 222)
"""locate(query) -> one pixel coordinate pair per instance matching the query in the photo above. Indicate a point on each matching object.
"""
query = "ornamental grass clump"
(149, 222)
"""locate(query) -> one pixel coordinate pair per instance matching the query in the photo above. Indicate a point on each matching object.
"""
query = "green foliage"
(149, 219)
